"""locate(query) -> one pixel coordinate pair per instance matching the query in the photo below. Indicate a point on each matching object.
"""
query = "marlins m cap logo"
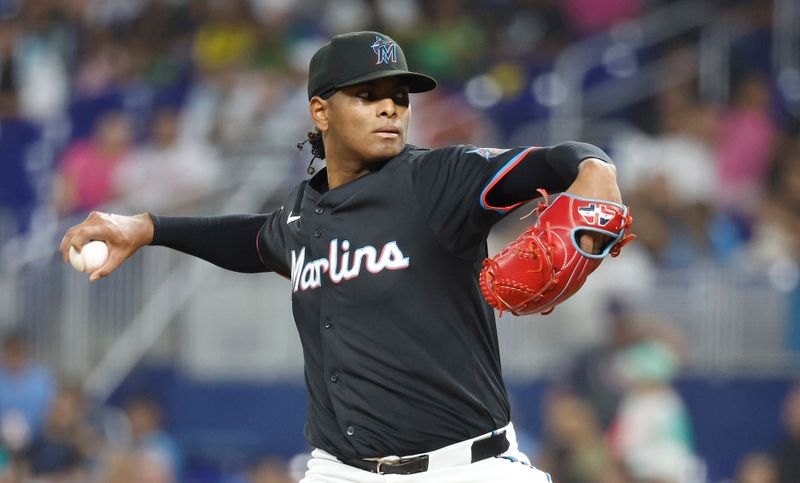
(385, 49)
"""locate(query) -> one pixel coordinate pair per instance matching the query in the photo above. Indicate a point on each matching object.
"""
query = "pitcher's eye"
(401, 98)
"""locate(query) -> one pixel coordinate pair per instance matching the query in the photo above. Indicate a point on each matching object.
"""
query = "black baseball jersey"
(401, 352)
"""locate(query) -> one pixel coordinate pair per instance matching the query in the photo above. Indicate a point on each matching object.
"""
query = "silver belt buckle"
(387, 460)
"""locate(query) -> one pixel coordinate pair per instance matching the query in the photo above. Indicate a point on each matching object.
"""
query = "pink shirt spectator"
(589, 16)
(744, 152)
(90, 173)
(88, 168)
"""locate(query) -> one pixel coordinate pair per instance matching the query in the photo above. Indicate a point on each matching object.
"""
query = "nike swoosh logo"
(292, 218)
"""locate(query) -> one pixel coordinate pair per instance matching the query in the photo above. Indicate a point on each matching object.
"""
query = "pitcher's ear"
(318, 108)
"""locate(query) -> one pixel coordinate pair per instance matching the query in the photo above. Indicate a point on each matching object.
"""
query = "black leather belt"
(481, 449)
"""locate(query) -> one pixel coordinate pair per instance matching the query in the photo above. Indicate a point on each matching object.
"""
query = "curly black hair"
(317, 147)
(315, 139)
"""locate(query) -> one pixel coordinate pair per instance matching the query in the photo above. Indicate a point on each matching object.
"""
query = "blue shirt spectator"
(26, 392)
(17, 196)
(149, 437)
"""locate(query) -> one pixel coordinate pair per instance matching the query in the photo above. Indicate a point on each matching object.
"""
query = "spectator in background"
(667, 176)
(651, 433)
(86, 173)
(26, 392)
(18, 138)
(228, 37)
(224, 105)
(163, 34)
(122, 466)
(744, 147)
(777, 232)
(757, 468)
(67, 441)
(574, 450)
(590, 16)
(450, 47)
(168, 173)
(595, 375)
(105, 64)
(159, 455)
(112, 13)
(44, 50)
(775, 242)
(787, 455)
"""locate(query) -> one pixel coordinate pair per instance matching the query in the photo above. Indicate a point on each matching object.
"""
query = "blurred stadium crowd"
(47, 436)
(148, 105)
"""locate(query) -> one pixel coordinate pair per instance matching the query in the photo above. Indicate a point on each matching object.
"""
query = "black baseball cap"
(357, 57)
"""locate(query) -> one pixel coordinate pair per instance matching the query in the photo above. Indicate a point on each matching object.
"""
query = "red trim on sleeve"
(496, 179)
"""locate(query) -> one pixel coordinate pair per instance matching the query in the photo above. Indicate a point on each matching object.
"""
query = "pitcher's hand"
(123, 235)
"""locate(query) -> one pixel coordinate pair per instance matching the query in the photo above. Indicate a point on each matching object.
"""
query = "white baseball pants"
(446, 465)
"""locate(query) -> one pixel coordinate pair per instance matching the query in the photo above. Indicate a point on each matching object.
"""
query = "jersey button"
(351, 430)
(334, 377)
(320, 210)
(328, 323)
(317, 234)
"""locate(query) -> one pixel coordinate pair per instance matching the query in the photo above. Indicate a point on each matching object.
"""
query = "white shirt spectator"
(165, 178)
(687, 164)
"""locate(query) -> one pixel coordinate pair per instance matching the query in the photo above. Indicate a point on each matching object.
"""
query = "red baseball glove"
(546, 265)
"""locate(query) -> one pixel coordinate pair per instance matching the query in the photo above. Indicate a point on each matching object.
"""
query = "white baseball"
(91, 257)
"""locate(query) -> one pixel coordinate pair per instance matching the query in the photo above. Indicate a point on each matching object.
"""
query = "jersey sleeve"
(465, 190)
(271, 243)
(225, 241)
